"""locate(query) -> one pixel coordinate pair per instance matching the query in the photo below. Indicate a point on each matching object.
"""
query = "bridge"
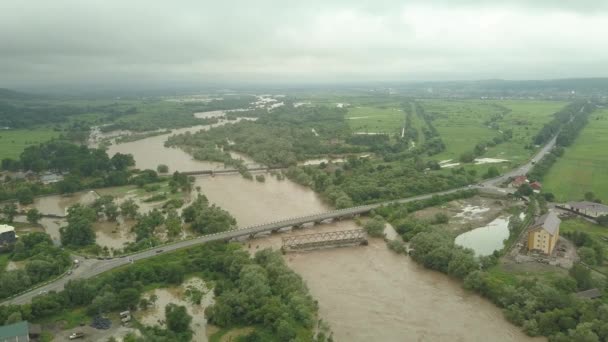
(328, 239)
(91, 267)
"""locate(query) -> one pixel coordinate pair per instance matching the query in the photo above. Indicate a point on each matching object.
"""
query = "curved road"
(91, 267)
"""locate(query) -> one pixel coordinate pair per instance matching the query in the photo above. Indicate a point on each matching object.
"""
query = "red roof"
(519, 180)
(536, 185)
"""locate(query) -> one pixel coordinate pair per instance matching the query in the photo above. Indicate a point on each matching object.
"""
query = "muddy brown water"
(150, 152)
(369, 293)
(365, 293)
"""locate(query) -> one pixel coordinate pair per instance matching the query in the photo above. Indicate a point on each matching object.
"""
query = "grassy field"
(460, 124)
(463, 123)
(4, 259)
(14, 141)
(376, 119)
(525, 119)
(583, 166)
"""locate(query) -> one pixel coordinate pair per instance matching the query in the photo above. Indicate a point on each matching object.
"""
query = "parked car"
(76, 335)
(159, 251)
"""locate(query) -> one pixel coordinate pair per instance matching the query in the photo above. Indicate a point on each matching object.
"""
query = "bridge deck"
(318, 240)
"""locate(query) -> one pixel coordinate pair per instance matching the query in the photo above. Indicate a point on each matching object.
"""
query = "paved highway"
(92, 267)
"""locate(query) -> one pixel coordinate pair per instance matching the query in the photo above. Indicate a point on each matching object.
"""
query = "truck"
(76, 335)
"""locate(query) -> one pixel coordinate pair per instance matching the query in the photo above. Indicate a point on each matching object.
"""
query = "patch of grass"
(4, 259)
(70, 318)
(387, 118)
(583, 166)
(14, 141)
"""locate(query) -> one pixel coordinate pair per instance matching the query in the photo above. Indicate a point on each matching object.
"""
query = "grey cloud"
(45, 42)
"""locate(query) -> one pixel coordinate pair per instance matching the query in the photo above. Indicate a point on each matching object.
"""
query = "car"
(43, 292)
(69, 272)
(159, 251)
(76, 335)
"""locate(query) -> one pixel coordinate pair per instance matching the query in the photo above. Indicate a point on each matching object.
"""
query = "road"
(91, 267)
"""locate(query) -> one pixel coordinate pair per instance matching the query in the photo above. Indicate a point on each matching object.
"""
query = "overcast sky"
(85, 41)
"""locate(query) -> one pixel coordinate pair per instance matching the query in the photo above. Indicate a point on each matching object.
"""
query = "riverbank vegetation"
(40, 260)
(542, 303)
(261, 292)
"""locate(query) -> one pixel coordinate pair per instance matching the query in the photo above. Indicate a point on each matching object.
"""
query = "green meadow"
(14, 141)
(375, 119)
(584, 165)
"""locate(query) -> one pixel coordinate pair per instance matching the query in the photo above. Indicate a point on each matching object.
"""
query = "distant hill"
(7, 94)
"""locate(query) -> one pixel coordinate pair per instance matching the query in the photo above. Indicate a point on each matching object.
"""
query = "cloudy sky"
(266, 41)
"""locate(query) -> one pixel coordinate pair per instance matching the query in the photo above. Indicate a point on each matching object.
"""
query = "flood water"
(252, 202)
(150, 152)
(369, 293)
(155, 314)
(365, 293)
(485, 240)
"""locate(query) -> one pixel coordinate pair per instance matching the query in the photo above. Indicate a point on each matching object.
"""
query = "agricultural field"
(525, 119)
(376, 119)
(461, 124)
(583, 166)
(14, 141)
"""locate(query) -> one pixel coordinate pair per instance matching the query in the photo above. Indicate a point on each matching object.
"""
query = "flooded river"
(365, 293)
(150, 152)
(369, 293)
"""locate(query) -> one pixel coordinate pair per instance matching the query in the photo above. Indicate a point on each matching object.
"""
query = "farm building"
(536, 185)
(7, 234)
(544, 233)
(20, 331)
(519, 181)
(591, 209)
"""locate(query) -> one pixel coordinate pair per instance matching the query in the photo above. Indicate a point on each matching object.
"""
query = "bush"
(375, 226)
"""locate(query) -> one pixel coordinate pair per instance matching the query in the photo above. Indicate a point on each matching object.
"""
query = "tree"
(162, 168)
(525, 190)
(582, 276)
(111, 211)
(441, 218)
(462, 263)
(491, 173)
(128, 209)
(178, 319)
(33, 216)
(173, 223)
(589, 196)
(9, 211)
(121, 161)
(25, 196)
(375, 226)
(79, 231)
(14, 318)
(587, 255)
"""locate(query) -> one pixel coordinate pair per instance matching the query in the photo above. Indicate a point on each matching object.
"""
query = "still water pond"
(485, 240)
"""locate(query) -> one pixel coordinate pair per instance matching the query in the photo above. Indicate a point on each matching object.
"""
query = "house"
(544, 233)
(7, 234)
(19, 332)
(591, 209)
(519, 181)
(536, 185)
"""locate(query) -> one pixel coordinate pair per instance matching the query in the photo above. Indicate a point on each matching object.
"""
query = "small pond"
(485, 240)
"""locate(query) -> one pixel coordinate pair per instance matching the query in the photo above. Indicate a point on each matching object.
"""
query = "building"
(544, 233)
(7, 234)
(536, 185)
(591, 209)
(519, 181)
(19, 332)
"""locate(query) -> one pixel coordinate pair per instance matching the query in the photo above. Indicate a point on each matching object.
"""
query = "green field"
(376, 119)
(584, 165)
(525, 119)
(463, 123)
(460, 124)
(13, 142)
